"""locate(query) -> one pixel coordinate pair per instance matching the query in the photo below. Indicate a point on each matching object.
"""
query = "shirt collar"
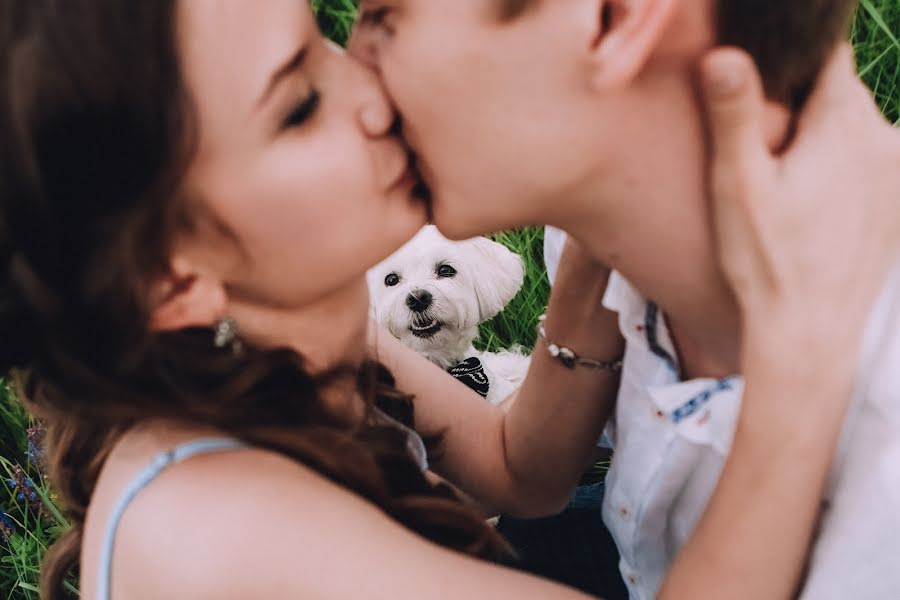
(641, 321)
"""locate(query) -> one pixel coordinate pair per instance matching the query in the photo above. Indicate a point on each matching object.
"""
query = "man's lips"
(421, 189)
(411, 142)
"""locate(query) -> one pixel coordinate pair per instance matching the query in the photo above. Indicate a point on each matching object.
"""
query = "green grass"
(335, 17)
(37, 523)
(517, 324)
(29, 523)
(876, 36)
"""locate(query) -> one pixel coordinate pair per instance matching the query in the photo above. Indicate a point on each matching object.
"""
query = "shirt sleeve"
(858, 552)
(554, 241)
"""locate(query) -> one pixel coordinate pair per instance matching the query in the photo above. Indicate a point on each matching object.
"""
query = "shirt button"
(633, 579)
(624, 512)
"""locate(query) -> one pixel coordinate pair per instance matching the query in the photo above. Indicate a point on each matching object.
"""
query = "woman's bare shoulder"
(197, 516)
(256, 524)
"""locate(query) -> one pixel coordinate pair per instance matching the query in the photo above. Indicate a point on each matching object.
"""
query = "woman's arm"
(526, 457)
(806, 240)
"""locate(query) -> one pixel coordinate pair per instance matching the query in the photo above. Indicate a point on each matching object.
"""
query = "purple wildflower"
(25, 492)
(35, 452)
(7, 526)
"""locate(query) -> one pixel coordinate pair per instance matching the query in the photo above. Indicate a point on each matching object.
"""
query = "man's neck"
(647, 216)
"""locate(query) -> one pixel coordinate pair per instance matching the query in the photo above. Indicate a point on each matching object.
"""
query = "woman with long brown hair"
(191, 195)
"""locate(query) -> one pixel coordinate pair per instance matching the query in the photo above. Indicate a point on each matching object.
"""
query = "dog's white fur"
(487, 277)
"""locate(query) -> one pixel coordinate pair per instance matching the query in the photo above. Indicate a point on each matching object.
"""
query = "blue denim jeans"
(574, 547)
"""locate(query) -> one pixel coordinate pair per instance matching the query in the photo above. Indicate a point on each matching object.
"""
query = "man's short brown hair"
(790, 39)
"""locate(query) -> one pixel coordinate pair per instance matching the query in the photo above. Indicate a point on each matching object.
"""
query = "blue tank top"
(159, 464)
(181, 453)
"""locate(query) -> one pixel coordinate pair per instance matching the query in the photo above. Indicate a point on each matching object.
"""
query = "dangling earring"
(226, 334)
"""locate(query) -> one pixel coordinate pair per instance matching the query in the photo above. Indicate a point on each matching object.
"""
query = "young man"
(584, 114)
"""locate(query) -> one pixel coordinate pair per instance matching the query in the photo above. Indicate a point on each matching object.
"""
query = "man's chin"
(457, 219)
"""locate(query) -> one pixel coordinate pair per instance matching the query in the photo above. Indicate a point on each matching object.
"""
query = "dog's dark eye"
(446, 272)
(391, 280)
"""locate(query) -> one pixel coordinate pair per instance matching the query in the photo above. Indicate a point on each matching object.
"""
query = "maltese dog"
(433, 293)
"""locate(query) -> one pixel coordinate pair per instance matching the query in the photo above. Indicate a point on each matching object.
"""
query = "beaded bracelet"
(570, 359)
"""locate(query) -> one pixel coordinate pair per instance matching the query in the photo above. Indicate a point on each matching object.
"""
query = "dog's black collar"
(471, 372)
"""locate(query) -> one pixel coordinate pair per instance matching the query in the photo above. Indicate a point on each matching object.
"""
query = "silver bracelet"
(570, 359)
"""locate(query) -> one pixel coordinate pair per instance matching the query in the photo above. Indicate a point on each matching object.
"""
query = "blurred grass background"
(29, 518)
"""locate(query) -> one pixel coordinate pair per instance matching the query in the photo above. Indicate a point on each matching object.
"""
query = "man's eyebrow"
(290, 66)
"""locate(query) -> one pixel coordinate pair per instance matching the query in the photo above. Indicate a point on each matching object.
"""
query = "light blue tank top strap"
(414, 443)
(159, 464)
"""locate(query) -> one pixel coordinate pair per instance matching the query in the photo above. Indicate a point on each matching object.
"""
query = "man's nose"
(361, 47)
(419, 301)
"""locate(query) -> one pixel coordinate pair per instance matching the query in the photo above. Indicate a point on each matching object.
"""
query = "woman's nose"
(376, 113)
(376, 117)
(362, 87)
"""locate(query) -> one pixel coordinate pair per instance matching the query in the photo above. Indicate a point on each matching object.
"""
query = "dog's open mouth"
(426, 329)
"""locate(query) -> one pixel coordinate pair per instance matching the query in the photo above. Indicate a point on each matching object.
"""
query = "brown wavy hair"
(96, 131)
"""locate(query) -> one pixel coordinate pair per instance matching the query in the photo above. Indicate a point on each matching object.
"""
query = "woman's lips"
(415, 157)
(407, 178)
(411, 181)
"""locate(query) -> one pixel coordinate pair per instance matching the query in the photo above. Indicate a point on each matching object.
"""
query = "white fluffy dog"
(433, 293)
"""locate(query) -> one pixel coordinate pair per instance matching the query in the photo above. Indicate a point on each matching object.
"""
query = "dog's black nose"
(419, 300)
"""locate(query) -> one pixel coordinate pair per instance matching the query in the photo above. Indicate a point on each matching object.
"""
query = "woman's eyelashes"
(376, 17)
(301, 113)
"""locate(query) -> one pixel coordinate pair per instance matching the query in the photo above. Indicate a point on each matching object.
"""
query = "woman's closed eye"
(376, 17)
(301, 113)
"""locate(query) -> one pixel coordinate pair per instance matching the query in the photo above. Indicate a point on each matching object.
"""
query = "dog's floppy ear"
(498, 274)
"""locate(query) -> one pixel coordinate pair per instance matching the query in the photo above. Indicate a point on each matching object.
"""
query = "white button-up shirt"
(672, 437)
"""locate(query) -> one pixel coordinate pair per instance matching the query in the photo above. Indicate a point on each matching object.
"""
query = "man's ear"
(627, 33)
(499, 273)
(186, 297)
